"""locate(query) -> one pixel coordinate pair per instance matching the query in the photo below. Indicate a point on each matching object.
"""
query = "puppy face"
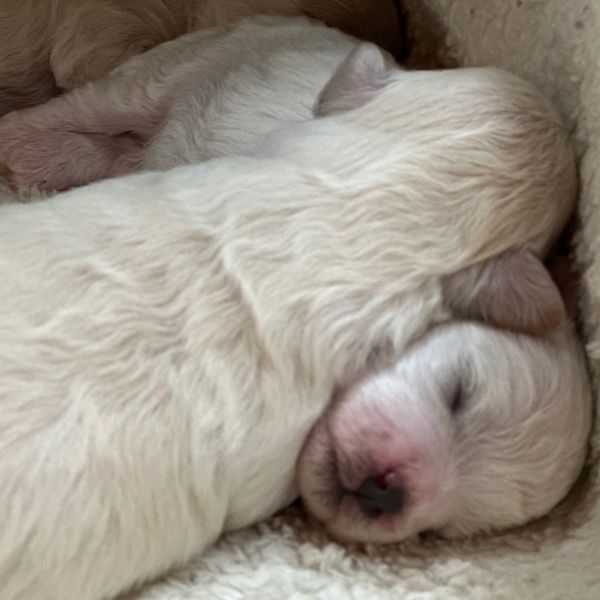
(472, 429)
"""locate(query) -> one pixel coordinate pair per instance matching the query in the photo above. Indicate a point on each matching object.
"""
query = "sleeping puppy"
(54, 45)
(187, 100)
(435, 440)
(169, 339)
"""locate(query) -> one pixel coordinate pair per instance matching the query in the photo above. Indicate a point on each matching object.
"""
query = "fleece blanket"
(556, 45)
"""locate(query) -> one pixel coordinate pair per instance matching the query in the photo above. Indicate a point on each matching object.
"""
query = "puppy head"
(473, 428)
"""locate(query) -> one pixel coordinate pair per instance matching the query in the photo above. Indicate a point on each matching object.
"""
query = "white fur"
(185, 101)
(61, 44)
(500, 459)
(167, 340)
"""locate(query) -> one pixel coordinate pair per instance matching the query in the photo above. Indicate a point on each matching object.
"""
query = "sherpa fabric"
(556, 45)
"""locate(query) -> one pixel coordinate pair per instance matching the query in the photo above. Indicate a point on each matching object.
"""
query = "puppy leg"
(54, 159)
(92, 132)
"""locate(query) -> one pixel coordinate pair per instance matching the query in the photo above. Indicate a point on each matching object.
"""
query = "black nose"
(380, 495)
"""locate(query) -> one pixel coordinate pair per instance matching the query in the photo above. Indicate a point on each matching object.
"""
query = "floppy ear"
(512, 290)
(358, 79)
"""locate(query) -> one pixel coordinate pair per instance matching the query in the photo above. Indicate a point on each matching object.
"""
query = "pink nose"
(381, 495)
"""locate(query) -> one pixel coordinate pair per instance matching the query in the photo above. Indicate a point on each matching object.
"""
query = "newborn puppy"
(53, 45)
(462, 434)
(185, 101)
(168, 340)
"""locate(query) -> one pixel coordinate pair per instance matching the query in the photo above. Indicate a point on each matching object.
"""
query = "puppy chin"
(318, 478)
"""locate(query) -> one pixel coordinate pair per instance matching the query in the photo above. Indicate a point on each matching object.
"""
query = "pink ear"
(358, 79)
(512, 290)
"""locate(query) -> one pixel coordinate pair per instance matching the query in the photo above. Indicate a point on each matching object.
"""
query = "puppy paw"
(33, 156)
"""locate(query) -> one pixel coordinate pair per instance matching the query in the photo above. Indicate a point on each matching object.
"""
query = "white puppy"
(464, 433)
(185, 101)
(53, 45)
(169, 339)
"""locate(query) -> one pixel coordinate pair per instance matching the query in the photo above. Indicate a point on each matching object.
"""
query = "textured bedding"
(556, 45)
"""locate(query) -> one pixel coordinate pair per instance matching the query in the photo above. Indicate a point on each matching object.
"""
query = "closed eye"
(457, 399)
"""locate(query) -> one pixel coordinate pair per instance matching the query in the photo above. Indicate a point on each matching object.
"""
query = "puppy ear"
(512, 290)
(358, 79)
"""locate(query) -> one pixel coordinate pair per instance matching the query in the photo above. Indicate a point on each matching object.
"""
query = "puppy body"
(185, 101)
(52, 45)
(192, 99)
(216, 106)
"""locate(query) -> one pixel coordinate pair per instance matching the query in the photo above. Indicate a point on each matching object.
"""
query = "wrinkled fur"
(168, 339)
(49, 45)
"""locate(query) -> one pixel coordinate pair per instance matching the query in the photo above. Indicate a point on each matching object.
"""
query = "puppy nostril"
(384, 480)
(380, 495)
